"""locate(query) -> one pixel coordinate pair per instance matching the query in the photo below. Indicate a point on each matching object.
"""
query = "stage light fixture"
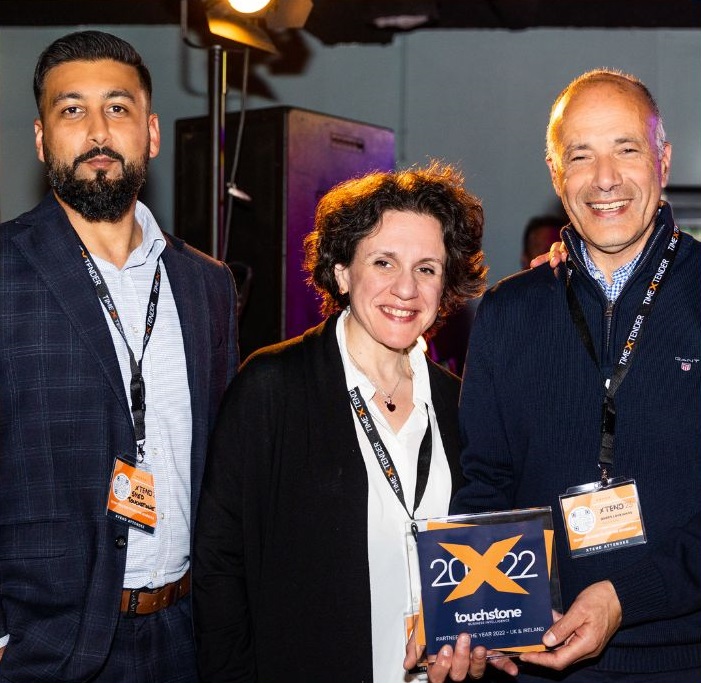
(242, 24)
(226, 19)
(249, 6)
(224, 22)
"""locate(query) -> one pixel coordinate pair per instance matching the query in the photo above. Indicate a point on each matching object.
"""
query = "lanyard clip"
(608, 416)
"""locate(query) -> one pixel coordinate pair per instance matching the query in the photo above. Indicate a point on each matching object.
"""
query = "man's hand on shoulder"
(556, 256)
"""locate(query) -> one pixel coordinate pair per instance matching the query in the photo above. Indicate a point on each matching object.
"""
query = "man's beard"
(101, 198)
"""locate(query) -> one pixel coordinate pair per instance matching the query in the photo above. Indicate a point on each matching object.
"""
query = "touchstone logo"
(483, 615)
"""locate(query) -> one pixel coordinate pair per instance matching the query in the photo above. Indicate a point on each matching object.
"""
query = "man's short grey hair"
(604, 76)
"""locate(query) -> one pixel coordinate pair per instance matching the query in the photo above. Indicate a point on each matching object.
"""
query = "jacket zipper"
(608, 313)
(610, 305)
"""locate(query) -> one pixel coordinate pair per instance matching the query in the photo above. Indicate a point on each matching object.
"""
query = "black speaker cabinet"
(289, 158)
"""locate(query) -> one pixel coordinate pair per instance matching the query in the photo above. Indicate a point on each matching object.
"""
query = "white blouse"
(390, 545)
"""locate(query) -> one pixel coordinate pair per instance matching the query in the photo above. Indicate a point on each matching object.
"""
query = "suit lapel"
(51, 248)
(188, 286)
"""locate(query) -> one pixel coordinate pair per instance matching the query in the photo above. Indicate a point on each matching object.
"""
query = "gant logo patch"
(686, 363)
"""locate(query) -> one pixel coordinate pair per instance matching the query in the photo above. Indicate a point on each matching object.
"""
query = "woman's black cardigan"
(281, 579)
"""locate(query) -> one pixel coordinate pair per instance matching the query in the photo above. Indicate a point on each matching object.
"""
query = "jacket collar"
(188, 285)
(656, 243)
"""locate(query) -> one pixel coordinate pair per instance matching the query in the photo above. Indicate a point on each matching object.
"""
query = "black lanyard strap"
(137, 386)
(384, 459)
(625, 359)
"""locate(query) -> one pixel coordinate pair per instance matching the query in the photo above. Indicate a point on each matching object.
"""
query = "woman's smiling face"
(395, 280)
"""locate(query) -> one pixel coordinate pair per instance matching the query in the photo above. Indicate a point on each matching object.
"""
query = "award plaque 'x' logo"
(483, 568)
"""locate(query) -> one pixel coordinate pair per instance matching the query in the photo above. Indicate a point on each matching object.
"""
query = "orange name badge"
(602, 518)
(132, 496)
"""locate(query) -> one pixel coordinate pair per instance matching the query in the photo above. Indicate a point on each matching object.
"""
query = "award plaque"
(492, 575)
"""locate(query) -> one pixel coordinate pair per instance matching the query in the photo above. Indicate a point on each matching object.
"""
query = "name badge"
(132, 496)
(600, 518)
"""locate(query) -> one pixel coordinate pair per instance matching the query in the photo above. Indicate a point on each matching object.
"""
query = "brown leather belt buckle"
(142, 601)
(132, 601)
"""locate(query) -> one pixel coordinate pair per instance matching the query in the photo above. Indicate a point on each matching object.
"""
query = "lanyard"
(137, 385)
(384, 459)
(608, 413)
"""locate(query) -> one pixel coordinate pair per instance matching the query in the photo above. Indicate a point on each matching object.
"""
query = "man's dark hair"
(89, 46)
(353, 210)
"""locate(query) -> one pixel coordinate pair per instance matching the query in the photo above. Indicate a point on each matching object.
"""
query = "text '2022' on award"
(492, 575)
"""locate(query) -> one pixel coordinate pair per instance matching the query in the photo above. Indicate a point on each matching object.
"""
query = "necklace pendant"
(390, 406)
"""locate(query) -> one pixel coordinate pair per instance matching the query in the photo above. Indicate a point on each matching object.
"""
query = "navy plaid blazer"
(64, 416)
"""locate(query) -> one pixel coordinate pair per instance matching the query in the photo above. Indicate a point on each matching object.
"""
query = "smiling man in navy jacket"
(116, 344)
(589, 376)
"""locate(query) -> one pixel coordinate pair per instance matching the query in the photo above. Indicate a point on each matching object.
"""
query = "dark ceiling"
(361, 21)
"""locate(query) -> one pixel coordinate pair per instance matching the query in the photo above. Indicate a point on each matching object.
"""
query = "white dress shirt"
(388, 537)
(154, 560)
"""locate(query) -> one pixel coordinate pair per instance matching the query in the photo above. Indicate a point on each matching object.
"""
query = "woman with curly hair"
(328, 443)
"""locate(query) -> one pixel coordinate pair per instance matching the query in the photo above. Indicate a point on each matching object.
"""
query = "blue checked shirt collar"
(619, 278)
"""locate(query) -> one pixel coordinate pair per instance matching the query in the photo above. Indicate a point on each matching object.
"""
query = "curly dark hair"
(353, 209)
(88, 46)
